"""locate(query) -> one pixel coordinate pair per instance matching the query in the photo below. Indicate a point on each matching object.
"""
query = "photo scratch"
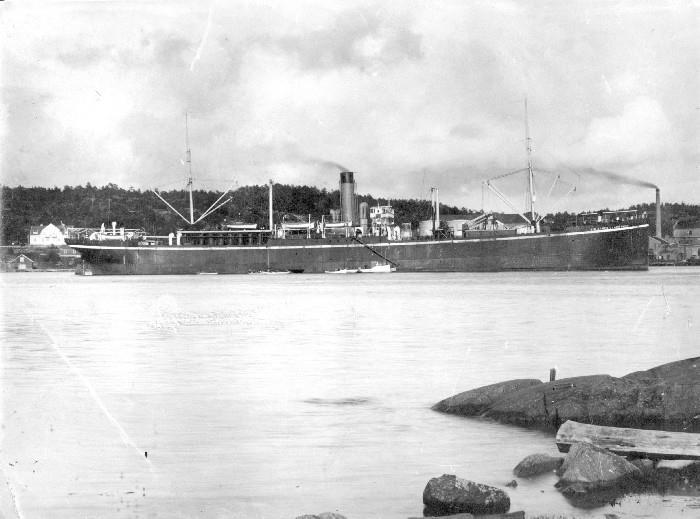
(203, 41)
(55, 344)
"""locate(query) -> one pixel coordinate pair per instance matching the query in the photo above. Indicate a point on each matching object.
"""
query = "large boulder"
(587, 467)
(478, 400)
(536, 464)
(665, 397)
(449, 494)
(455, 516)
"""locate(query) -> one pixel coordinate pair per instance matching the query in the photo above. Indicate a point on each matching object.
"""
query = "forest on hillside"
(90, 206)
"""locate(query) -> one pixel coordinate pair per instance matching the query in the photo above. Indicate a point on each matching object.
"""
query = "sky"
(407, 94)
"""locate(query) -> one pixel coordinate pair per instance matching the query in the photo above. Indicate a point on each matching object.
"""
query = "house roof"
(21, 256)
(37, 229)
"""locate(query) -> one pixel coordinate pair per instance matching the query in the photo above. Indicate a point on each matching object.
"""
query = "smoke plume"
(325, 163)
(621, 179)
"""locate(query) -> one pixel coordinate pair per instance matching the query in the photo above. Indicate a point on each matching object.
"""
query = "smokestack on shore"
(347, 197)
(658, 213)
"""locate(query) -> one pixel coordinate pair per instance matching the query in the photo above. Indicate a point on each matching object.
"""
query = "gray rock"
(587, 467)
(666, 397)
(478, 400)
(536, 464)
(449, 494)
(324, 515)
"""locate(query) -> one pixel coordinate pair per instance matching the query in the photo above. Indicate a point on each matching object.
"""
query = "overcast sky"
(408, 94)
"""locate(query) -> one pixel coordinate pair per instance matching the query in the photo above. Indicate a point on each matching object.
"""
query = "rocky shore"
(666, 398)
(588, 477)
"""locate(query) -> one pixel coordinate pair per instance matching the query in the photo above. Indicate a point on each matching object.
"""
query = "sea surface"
(272, 396)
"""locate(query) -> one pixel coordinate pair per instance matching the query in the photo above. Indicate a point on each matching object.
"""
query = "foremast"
(188, 161)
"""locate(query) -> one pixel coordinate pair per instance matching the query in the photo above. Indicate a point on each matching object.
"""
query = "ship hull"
(620, 248)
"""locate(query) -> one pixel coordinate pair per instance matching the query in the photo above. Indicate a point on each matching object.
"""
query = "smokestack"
(658, 213)
(347, 197)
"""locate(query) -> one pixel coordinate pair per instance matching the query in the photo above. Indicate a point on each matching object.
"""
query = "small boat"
(378, 269)
(365, 270)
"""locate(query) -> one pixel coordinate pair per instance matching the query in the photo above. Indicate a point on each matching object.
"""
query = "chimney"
(658, 213)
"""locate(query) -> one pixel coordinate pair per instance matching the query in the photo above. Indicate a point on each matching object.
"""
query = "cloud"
(406, 94)
(83, 56)
(169, 51)
(357, 38)
(641, 131)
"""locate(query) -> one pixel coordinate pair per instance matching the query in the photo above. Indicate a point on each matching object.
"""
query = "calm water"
(273, 396)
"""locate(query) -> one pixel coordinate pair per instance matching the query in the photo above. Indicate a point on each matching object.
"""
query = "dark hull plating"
(622, 248)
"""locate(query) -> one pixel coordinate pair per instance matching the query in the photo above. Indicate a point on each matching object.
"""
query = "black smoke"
(617, 177)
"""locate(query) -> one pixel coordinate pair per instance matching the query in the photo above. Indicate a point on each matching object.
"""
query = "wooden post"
(552, 374)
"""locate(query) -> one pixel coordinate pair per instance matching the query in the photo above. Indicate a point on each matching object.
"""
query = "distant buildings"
(683, 246)
(47, 250)
(687, 234)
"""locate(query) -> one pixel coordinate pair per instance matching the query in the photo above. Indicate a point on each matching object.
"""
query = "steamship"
(360, 242)
(363, 239)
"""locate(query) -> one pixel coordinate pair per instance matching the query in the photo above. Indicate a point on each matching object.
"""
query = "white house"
(45, 236)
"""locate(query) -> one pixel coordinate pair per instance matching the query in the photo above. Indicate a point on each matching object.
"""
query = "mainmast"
(188, 158)
(530, 179)
(532, 219)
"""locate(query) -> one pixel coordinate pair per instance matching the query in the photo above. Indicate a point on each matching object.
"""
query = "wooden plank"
(642, 443)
